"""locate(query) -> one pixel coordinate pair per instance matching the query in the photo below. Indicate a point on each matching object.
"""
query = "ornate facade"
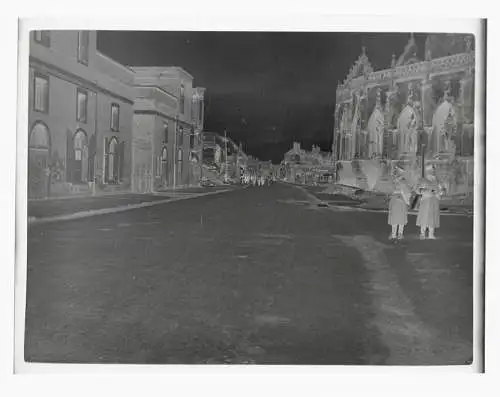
(415, 109)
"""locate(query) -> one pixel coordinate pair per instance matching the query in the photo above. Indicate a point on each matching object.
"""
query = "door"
(38, 173)
(39, 162)
(164, 167)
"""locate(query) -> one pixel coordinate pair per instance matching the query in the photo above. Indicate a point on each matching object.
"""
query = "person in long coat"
(428, 213)
(398, 212)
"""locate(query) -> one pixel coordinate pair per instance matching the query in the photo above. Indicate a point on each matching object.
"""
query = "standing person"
(428, 213)
(398, 211)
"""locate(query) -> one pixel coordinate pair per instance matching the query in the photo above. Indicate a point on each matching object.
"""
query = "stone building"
(80, 116)
(168, 123)
(307, 167)
(416, 109)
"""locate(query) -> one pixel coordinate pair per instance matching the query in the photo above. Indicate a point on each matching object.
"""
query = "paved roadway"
(259, 275)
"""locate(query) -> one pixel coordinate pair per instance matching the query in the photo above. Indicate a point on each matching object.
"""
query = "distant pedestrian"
(398, 212)
(428, 213)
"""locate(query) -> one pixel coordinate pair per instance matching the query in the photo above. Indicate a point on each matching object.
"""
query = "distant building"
(80, 116)
(222, 157)
(168, 123)
(307, 167)
(415, 108)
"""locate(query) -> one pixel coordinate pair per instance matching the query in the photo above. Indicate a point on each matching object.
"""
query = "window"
(81, 106)
(191, 139)
(112, 161)
(41, 94)
(83, 46)
(165, 132)
(80, 157)
(115, 117)
(180, 137)
(200, 114)
(42, 37)
(181, 99)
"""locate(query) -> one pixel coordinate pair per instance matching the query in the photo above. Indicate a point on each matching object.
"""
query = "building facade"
(80, 117)
(167, 131)
(307, 167)
(417, 115)
(223, 159)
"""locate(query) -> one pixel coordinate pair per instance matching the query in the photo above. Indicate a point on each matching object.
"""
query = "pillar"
(466, 100)
(388, 113)
(427, 104)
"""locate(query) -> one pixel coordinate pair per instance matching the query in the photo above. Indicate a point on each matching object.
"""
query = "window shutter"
(106, 159)
(69, 156)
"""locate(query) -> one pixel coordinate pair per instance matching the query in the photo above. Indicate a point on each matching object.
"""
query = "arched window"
(80, 157)
(444, 129)
(375, 133)
(39, 137)
(408, 122)
(113, 160)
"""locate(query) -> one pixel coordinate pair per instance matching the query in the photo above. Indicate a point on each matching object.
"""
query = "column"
(388, 113)
(466, 129)
(336, 132)
(427, 114)
(362, 121)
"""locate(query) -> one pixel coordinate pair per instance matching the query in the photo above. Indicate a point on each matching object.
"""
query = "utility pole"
(200, 136)
(225, 167)
(176, 153)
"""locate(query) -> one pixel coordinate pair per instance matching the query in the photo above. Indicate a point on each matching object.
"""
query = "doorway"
(39, 162)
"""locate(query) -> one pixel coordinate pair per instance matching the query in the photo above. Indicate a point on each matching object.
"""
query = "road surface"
(260, 275)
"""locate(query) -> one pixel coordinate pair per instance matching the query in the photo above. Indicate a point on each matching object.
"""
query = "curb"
(104, 211)
(361, 209)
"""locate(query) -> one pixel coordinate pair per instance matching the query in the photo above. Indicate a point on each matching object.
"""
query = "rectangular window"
(191, 140)
(180, 137)
(83, 46)
(41, 93)
(182, 100)
(115, 117)
(200, 114)
(81, 106)
(42, 37)
(165, 132)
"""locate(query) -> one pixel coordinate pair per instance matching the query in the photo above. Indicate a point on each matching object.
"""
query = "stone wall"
(376, 175)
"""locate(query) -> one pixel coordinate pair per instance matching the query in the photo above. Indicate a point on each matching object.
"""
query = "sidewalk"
(372, 201)
(44, 211)
(58, 207)
(196, 189)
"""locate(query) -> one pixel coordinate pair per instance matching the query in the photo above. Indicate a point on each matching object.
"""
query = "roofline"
(115, 61)
(160, 69)
(159, 89)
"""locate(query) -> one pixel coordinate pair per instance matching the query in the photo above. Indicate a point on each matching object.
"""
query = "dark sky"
(267, 89)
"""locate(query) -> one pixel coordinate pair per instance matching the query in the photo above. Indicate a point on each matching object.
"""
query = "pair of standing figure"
(428, 213)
